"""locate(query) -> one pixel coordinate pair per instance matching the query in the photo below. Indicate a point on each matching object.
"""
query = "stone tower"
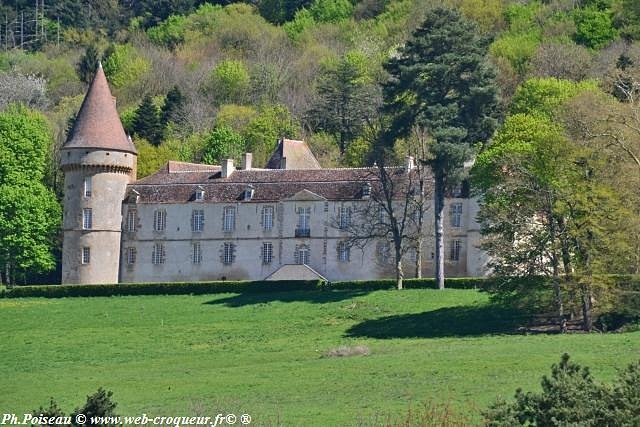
(98, 161)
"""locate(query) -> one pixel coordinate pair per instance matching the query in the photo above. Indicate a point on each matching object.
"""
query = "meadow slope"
(263, 353)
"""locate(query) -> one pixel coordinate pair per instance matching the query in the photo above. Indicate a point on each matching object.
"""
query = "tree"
(390, 213)
(223, 143)
(594, 28)
(28, 90)
(29, 212)
(88, 64)
(570, 396)
(441, 81)
(520, 177)
(346, 101)
(146, 123)
(98, 404)
(229, 82)
(172, 109)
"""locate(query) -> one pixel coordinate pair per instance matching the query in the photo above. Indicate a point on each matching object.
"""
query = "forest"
(199, 81)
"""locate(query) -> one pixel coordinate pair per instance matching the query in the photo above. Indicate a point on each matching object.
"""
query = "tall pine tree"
(146, 123)
(442, 82)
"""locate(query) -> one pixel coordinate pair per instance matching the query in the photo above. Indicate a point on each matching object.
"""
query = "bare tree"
(28, 90)
(390, 214)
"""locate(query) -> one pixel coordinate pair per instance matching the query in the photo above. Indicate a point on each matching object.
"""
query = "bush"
(198, 288)
(571, 397)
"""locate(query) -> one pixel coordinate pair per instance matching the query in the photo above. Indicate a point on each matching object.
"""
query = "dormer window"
(248, 192)
(366, 190)
(199, 194)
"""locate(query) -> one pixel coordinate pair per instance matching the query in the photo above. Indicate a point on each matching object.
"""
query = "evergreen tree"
(146, 123)
(346, 100)
(442, 82)
(88, 63)
(172, 109)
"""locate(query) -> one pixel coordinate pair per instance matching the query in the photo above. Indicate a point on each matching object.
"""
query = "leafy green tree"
(146, 123)
(441, 81)
(123, 65)
(264, 130)
(520, 176)
(223, 143)
(230, 82)
(280, 11)
(570, 396)
(331, 10)
(545, 95)
(170, 32)
(29, 212)
(346, 99)
(630, 20)
(88, 63)
(594, 28)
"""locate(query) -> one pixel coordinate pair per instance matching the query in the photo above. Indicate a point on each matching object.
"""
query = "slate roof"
(98, 124)
(177, 183)
(298, 155)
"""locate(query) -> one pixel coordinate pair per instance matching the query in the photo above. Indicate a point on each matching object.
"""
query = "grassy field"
(263, 353)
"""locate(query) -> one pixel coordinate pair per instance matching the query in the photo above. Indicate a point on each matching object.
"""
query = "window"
(131, 256)
(267, 252)
(366, 191)
(229, 218)
(228, 253)
(86, 255)
(304, 215)
(87, 186)
(383, 252)
(343, 252)
(456, 214)
(248, 192)
(87, 218)
(159, 220)
(196, 253)
(454, 255)
(197, 220)
(302, 255)
(199, 195)
(267, 217)
(158, 255)
(413, 254)
(344, 217)
(131, 220)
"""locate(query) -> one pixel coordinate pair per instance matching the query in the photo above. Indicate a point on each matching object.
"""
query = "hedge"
(505, 286)
(175, 288)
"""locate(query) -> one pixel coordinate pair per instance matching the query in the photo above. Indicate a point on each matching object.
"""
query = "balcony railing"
(303, 232)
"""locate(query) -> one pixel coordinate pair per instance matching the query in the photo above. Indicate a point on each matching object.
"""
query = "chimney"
(408, 164)
(227, 168)
(247, 158)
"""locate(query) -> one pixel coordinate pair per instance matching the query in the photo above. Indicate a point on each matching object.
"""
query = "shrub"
(198, 288)
(571, 397)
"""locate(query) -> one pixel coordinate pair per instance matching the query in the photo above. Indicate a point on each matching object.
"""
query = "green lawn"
(262, 353)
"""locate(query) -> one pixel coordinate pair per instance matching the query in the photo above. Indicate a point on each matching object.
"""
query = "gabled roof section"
(98, 125)
(306, 195)
(292, 154)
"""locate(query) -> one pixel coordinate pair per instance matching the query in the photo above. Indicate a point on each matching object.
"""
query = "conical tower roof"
(98, 125)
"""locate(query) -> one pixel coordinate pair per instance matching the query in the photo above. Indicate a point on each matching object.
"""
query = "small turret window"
(87, 186)
(86, 255)
(87, 219)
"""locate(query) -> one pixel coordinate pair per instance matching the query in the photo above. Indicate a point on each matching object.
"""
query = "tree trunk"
(562, 323)
(439, 229)
(7, 273)
(419, 259)
(587, 321)
(399, 272)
